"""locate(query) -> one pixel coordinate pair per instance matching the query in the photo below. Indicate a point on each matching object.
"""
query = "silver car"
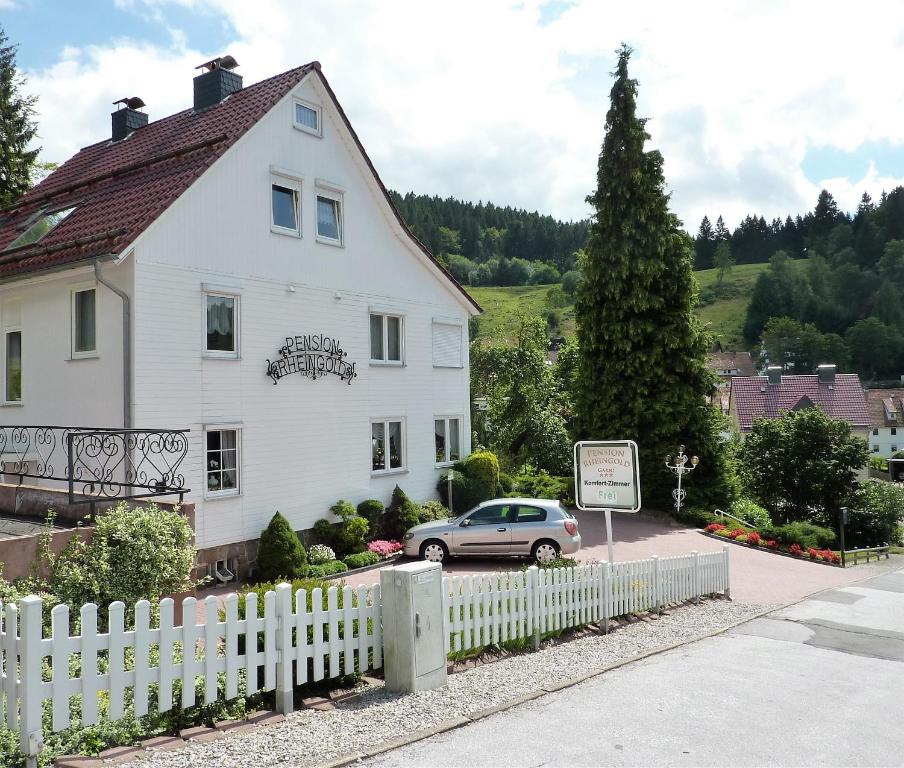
(541, 528)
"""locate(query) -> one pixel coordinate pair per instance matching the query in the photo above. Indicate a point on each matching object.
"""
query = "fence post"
(533, 589)
(284, 624)
(31, 740)
(696, 557)
(657, 590)
(607, 594)
(727, 573)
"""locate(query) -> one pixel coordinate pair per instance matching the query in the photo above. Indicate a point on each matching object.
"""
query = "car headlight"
(408, 537)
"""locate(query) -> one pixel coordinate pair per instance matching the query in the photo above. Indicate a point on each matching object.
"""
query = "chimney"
(127, 118)
(826, 373)
(774, 372)
(218, 82)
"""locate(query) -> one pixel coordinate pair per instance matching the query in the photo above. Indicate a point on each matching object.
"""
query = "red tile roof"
(875, 399)
(753, 397)
(741, 362)
(121, 188)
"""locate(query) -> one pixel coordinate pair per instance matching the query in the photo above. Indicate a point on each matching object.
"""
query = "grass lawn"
(724, 318)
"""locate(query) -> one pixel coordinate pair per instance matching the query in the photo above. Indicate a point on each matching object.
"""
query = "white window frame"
(386, 421)
(229, 492)
(89, 353)
(6, 331)
(300, 126)
(330, 191)
(287, 180)
(449, 462)
(385, 313)
(225, 293)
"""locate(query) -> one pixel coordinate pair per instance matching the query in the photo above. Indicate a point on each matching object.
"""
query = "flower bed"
(753, 539)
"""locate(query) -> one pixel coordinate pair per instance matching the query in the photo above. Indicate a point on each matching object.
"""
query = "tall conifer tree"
(17, 129)
(642, 351)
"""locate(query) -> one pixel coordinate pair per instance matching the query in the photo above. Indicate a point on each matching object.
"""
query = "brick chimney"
(218, 82)
(774, 372)
(826, 373)
(127, 118)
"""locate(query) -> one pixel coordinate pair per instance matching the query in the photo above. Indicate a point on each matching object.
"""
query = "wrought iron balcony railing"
(96, 463)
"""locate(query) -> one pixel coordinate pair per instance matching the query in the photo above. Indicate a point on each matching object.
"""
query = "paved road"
(757, 578)
(817, 683)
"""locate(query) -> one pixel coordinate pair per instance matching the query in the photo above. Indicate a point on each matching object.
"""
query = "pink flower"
(384, 548)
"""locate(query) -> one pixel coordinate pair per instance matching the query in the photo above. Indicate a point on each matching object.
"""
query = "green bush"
(344, 510)
(324, 532)
(753, 513)
(281, 554)
(506, 484)
(542, 485)
(483, 466)
(140, 553)
(326, 569)
(875, 515)
(467, 493)
(361, 559)
(560, 562)
(261, 589)
(698, 517)
(803, 533)
(353, 535)
(433, 510)
(372, 510)
(879, 463)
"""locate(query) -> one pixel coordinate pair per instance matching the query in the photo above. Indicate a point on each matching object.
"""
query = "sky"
(755, 106)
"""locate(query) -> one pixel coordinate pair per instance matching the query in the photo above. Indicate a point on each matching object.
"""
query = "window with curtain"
(13, 366)
(307, 118)
(329, 218)
(447, 438)
(84, 322)
(387, 445)
(221, 461)
(222, 336)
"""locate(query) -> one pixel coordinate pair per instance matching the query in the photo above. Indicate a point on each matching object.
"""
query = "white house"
(886, 410)
(238, 269)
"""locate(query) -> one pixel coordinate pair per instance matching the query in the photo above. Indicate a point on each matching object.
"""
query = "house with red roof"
(238, 269)
(727, 365)
(886, 412)
(840, 395)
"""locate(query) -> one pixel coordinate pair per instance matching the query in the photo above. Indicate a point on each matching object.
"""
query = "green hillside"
(724, 316)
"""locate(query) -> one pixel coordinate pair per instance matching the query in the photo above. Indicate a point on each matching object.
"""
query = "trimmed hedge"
(361, 559)
(807, 535)
(326, 569)
(372, 510)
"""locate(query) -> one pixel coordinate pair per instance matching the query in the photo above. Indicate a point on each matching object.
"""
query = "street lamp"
(680, 469)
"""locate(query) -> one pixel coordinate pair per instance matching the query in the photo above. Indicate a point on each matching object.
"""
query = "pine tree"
(704, 245)
(17, 128)
(642, 351)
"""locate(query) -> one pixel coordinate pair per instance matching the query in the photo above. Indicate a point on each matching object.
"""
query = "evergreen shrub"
(281, 554)
(372, 510)
(361, 559)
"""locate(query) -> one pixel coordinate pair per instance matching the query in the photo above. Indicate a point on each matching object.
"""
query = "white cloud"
(476, 99)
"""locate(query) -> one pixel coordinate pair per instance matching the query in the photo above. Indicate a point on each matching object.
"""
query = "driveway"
(817, 683)
(758, 578)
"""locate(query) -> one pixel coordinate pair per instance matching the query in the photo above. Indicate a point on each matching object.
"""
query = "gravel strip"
(308, 737)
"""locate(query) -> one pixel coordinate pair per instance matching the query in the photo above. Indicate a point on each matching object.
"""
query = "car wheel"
(545, 551)
(434, 551)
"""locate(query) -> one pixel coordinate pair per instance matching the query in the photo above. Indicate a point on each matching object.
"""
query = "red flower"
(794, 549)
(772, 544)
(753, 538)
(713, 527)
(736, 532)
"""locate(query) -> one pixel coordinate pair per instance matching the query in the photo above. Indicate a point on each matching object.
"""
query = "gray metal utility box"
(414, 653)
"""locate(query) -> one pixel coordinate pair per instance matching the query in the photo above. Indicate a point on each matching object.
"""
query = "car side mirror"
(465, 523)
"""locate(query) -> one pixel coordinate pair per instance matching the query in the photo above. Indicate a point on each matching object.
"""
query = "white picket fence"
(156, 664)
(494, 608)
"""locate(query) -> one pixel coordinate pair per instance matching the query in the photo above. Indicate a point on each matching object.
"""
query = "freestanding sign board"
(607, 477)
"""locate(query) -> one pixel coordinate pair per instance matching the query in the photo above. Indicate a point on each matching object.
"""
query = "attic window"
(42, 226)
(307, 118)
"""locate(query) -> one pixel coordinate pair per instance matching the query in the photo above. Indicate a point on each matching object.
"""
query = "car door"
(528, 526)
(486, 531)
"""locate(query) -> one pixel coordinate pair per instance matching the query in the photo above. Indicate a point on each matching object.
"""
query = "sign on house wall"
(607, 475)
(311, 356)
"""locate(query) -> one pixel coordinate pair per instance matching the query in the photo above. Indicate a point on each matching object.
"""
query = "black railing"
(98, 464)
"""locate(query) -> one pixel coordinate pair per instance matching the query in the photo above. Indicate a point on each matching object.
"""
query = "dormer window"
(45, 223)
(307, 118)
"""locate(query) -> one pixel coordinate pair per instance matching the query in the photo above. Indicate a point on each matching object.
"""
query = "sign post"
(607, 478)
(843, 518)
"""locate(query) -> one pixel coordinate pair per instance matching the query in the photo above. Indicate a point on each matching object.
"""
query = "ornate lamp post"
(680, 469)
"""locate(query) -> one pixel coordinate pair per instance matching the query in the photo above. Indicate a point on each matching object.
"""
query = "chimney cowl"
(774, 372)
(826, 373)
(216, 83)
(127, 118)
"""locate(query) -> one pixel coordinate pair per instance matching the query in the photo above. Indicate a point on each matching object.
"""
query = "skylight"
(42, 226)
